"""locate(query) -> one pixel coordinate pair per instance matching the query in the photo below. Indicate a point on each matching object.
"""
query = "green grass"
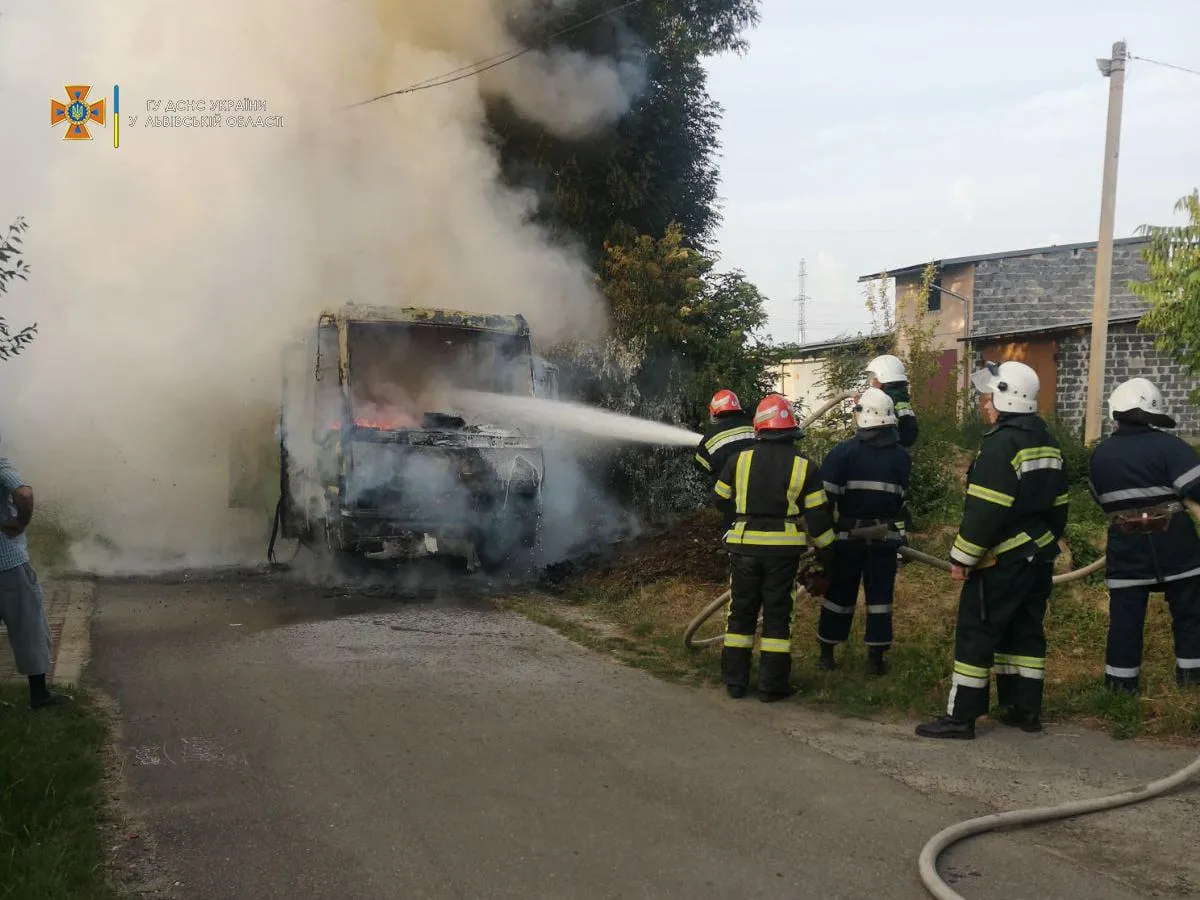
(52, 803)
(641, 624)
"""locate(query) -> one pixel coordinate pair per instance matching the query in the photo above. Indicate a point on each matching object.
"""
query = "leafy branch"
(13, 267)
(1173, 287)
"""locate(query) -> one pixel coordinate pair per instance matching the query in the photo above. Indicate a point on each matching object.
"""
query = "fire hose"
(947, 837)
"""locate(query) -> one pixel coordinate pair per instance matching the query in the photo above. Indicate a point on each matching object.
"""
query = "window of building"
(935, 293)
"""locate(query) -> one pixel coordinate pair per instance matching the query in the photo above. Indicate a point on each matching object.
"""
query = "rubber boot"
(40, 696)
(1020, 718)
(827, 662)
(877, 666)
(735, 691)
(948, 727)
(775, 696)
(1126, 685)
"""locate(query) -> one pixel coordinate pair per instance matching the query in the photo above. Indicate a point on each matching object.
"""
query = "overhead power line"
(480, 66)
(1165, 65)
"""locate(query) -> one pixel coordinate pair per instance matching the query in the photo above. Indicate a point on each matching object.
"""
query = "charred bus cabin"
(398, 469)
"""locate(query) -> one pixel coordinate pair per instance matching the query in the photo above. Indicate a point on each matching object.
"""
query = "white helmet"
(875, 409)
(1140, 394)
(887, 369)
(1013, 386)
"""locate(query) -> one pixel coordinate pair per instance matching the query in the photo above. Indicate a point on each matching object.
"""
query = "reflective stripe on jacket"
(906, 416)
(1017, 494)
(722, 440)
(778, 500)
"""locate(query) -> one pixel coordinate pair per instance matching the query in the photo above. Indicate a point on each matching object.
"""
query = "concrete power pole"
(802, 305)
(1114, 70)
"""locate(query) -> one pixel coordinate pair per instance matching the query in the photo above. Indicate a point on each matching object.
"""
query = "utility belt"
(1146, 519)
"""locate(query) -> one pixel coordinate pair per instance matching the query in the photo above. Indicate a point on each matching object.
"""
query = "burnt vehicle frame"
(437, 486)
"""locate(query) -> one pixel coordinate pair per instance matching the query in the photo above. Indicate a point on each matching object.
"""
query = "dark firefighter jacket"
(772, 487)
(906, 416)
(723, 439)
(1017, 494)
(866, 479)
(1139, 467)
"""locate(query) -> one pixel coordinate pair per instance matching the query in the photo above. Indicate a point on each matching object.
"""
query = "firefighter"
(866, 479)
(888, 375)
(1014, 514)
(780, 510)
(1141, 477)
(730, 431)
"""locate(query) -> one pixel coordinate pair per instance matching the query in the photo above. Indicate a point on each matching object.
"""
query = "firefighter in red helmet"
(780, 510)
(730, 431)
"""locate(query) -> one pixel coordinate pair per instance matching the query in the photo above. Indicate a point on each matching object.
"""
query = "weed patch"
(640, 619)
(52, 805)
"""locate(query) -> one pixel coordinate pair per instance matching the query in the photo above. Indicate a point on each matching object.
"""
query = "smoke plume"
(168, 273)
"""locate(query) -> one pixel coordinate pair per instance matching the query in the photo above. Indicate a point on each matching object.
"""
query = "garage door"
(1040, 355)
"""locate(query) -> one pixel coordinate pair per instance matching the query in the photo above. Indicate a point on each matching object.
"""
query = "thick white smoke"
(168, 273)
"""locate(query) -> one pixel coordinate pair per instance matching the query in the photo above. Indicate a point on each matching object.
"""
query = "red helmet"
(723, 402)
(774, 413)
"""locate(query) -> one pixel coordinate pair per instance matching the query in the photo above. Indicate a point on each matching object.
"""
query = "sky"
(859, 137)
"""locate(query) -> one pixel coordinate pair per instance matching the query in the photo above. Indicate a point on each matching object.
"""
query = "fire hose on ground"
(947, 837)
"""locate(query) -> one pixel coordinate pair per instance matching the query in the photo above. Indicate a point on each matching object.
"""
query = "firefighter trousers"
(767, 583)
(1001, 618)
(1127, 620)
(873, 565)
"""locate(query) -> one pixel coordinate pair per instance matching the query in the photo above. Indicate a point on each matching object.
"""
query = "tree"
(694, 329)
(916, 330)
(656, 165)
(680, 330)
(12, 267)
(932, 485)
(1173, 287)
(639, 198)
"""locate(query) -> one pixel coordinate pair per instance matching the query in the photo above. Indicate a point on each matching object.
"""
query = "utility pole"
(802, 304)
(1114, 70)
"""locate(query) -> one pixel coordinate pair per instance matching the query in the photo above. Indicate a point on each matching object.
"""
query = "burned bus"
(377, 461)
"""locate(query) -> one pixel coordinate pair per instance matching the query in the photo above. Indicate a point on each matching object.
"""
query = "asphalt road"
(287, 741)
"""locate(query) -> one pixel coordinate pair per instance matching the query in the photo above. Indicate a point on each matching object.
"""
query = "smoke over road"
(168, 273)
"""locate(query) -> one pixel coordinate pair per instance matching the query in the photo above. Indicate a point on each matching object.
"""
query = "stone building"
(1035, 305)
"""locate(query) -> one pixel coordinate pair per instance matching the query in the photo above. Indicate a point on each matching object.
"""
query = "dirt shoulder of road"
(636, 601)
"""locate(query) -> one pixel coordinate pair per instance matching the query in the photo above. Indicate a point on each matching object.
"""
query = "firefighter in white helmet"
(866, 480)
(1141, 476)
(1014, 514)
(887, 374)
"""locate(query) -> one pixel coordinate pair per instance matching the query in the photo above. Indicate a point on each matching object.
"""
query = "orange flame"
(382, 420)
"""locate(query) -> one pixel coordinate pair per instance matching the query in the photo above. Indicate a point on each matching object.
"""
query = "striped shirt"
(13, 551)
